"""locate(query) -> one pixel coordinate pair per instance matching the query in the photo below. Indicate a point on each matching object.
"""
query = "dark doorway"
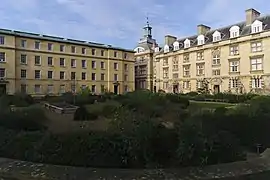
(115, 89)
(216, 89)
(175, 88)
(3, 89)
(155, 88)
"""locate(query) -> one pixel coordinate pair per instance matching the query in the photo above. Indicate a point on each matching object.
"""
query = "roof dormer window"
(166, 48)
(234, 31)
(256, 26)
(200, 39)
(176, 46)
(216, 36)
(156, 49)
(139, 50)
(187, 43)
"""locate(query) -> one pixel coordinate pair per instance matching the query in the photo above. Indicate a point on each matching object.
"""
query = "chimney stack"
(170, 39)
(202, 29)
(251, 15)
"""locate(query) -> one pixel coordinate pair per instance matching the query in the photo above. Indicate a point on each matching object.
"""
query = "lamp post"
(73, 89)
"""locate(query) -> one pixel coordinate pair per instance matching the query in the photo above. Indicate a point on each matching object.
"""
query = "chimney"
(202, 29)
(170, 39)
(251, 15)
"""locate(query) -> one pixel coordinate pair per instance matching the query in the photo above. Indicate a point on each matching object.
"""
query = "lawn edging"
(21, 170)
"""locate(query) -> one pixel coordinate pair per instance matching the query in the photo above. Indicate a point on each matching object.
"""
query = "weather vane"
(147, 19)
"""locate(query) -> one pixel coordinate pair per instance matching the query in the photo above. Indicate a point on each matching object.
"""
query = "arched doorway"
(3, 87)
(116, 87)
(216, 85)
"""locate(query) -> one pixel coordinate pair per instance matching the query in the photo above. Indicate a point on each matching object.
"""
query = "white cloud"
(121, 19)
(224, 12)
(120, 22)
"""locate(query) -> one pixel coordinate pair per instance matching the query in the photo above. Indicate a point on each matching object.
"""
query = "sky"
(120, 22)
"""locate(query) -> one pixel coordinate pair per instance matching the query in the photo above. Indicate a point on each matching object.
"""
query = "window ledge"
(256, 71)
(256, 54)
(186, 62)
(234, 56)
(234, 73)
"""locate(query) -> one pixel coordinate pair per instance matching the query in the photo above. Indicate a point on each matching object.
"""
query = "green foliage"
(18, 100)
(136, 138)
(250, 122)
(28, 119)
(202, 143)
(152, 145)
(108, 110)
(21, 146)
(85, 91)
(184, 101)
(152, 104)
(80, 99)
(222, 97)
(81, 114)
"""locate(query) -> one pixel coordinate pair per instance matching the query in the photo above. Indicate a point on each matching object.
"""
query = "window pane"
(259, 66)
(253, 67)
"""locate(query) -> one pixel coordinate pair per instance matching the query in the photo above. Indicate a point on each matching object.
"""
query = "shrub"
(22, 146)
(28, 119)
(92, 116)
(202, 143)
(101, 98)
(108, 110)
(19, 100)
(81, 114)
(192, 93)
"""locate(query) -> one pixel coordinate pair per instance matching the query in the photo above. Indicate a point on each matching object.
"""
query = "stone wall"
(256, 169)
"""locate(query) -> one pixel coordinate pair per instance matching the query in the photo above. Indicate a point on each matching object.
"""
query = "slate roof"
(146, 46)
(225, 33)
(59, 39)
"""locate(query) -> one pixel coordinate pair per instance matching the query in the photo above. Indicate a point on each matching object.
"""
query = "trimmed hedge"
(221, 97)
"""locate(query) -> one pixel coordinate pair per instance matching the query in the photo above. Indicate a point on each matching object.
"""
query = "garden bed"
(61, 108)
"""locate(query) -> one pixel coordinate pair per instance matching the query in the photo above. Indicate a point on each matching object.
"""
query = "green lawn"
(211, 105)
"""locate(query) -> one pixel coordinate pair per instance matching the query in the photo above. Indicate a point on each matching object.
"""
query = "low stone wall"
(256, 169)
(60, 110)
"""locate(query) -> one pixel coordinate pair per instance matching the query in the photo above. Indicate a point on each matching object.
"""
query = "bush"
(192, 93)
(201, 142)
(135, 138)
(28, 119)
(22, 146)
(18, 100)
(81, 114)
(108, 110)
(92, 116)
